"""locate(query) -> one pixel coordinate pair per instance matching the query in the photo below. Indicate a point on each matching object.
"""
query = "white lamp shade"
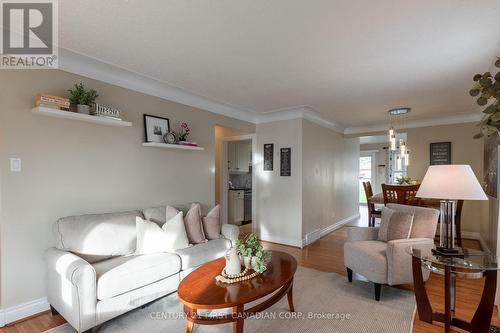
(451, 182)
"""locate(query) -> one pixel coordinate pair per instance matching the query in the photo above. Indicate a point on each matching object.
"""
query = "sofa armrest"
(231, 232)
(355, 234)
(71, 288)
(399, 261)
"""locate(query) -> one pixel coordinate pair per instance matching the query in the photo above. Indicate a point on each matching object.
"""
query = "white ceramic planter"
(81, 108)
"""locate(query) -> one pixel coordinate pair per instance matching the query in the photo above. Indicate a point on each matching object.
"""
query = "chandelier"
(398, 122)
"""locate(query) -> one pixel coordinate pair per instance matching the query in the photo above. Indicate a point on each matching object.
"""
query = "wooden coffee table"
(200, 291)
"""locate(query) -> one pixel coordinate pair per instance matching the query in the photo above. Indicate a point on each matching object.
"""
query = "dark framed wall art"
(440, 153)
(286, 162)
(155, 128)
(268, 156)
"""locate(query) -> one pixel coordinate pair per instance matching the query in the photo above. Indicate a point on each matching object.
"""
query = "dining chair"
(401, 194)
(373, 213)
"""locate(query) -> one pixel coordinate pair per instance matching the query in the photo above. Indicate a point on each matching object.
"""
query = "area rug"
(325, 302)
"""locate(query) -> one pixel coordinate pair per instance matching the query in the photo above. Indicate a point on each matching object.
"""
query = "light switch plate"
(15, 165)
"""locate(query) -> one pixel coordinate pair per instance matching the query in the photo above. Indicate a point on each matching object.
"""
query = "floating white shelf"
(43, 111)
(171, 146)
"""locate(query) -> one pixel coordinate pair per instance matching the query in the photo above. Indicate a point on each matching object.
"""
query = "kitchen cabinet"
(236, 207)
(239, 156)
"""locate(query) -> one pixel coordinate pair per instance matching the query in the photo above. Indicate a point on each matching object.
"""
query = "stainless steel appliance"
(248, 206)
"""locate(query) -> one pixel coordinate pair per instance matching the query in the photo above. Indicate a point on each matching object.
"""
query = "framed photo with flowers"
(155, 128)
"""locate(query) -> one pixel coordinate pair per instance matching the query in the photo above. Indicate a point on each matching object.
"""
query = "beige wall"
(330, 165)
(464, 150)
(71, 167)
(279, 199)
(221, 132)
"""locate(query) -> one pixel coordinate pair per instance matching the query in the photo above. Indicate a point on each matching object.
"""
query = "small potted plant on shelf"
(184, 131)
(252, 253)
(82, 98)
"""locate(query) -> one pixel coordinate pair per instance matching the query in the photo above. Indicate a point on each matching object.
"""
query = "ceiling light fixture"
(398, 120)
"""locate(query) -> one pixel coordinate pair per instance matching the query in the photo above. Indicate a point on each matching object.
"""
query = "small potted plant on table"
(252, 253)
(82, 98)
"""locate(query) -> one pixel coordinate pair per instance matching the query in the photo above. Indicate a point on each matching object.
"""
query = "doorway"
(366, 173)
(237, 183)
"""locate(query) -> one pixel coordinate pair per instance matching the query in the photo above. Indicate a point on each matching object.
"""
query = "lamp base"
(446, 252)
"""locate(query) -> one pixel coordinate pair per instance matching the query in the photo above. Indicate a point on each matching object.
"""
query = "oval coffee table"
(200, 291)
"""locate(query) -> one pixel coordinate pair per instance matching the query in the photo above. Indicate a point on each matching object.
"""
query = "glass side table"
(473, 265)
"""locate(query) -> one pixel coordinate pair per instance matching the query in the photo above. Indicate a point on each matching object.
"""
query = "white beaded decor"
(234, 278)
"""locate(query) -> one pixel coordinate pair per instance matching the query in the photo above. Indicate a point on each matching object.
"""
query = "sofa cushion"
(194, 226)
(424, 220)
(211, 224)
(199, 254)
(122, 274)
(367, 258)
(159, 214)
(151, 238)
(98, 236)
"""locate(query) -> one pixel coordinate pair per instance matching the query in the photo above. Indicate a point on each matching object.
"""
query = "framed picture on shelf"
(155, 128)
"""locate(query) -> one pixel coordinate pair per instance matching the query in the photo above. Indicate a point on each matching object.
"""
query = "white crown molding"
(458, 119)
(21, 311)
(84, 65)
(93, 68)
(296, 112)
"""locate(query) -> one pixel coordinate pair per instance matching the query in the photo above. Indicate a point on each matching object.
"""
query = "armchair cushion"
(424, 220)
(362, 233)
(122, 274)
(367, 258)
(399, 226)
(399, 268)
(384, 223)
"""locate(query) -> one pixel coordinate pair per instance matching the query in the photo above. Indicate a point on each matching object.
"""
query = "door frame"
(373, 155)
(224, 176)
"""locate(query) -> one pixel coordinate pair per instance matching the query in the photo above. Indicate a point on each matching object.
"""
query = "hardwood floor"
(327, 254)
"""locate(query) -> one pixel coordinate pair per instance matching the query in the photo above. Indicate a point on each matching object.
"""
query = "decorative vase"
(233, 265)
(248, 262)
(81, 108)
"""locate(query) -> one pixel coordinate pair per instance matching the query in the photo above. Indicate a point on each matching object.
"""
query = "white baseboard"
(319, 233)
(21, 311)
(279, 240)
(477, 236)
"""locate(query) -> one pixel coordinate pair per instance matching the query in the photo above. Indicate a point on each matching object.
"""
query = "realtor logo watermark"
(29, 34)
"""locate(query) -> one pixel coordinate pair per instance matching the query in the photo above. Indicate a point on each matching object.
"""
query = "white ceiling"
(348, 61)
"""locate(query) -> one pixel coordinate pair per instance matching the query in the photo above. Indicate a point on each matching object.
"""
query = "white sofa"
(94, 276)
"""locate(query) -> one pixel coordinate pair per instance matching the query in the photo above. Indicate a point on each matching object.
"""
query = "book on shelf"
(52, 106)
(49, 99)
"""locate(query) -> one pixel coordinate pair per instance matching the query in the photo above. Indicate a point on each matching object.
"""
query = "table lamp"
(449, 183)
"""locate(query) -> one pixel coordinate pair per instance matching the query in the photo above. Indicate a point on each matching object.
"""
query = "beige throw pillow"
(153, 239)
(384, 223)
(193, 224)
(400, 226)
(211, 224)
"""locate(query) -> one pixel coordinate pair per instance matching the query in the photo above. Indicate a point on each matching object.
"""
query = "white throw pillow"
(176, 231)
(153, 239)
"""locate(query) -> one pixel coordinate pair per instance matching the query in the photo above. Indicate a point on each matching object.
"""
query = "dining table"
(378, 199)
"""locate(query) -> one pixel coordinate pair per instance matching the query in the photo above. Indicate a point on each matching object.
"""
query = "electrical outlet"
(15, 165)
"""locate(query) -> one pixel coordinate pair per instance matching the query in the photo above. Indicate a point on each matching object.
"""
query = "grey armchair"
(388, 262)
